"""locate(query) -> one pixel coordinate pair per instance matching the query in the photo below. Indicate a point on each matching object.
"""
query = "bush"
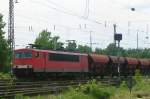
(91, 90)
(138, 76)
(6, 76)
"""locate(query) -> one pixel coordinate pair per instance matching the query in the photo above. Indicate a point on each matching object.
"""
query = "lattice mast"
(11, 26)
(11, 40)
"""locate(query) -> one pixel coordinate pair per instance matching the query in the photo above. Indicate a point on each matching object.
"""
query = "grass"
(95, 90)
(6, 76)
(91, 90)
(141, 89)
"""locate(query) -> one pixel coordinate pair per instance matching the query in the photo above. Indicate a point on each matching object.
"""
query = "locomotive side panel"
(39, 61)
(62, 62)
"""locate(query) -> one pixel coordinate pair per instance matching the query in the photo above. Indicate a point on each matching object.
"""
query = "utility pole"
(91, 40)
(11, 28)
(147, 31)
(55, 43)
(87, 10)
(117, 39)
(11, 39)
(137, 39)
(114, 25)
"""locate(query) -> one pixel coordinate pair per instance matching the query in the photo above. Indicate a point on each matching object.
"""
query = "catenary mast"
(11, 39)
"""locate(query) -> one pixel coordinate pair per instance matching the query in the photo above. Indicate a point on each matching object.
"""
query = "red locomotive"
(30, 61)
(58, 63)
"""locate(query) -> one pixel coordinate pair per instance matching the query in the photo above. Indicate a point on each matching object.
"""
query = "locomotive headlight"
(29, 66)
(22, 66)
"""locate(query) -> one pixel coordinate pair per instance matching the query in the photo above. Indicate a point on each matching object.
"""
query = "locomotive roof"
(61, 52)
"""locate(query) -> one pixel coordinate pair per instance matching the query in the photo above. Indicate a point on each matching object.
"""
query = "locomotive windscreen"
(23, 54)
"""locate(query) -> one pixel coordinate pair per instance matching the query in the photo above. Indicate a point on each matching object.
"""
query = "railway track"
(10, 89)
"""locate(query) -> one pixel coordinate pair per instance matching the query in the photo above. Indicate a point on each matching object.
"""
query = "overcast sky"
(72, 20)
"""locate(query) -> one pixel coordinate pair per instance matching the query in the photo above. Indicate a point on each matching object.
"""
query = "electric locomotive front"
(22, 62)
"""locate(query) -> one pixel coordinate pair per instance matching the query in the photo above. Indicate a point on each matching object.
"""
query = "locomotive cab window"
(63, 57)
(18, 55)
(23, 55)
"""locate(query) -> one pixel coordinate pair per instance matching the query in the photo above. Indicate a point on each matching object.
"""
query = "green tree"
(46, 41)
(57, 45)
(113, 50)
(136, 53)
(100, 51)
(146, 53)
(72, 46)
(84, 49)
(4, 49)
(139, 53)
